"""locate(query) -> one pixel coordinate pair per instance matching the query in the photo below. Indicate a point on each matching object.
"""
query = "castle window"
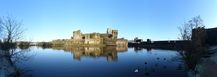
(110, 36)
(83, 37)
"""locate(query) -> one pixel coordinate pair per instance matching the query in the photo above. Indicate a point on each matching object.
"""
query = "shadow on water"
(10, 56)
(199, 62)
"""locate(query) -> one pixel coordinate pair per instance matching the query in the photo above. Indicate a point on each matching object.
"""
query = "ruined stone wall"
(74, 42)
(122, 42)
(109, 41)
(92, 41)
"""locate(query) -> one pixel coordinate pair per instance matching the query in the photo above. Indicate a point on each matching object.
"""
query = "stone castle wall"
(109, 38)
(122, 42)
(95, 39)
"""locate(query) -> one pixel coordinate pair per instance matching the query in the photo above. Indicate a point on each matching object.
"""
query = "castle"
(110, 38)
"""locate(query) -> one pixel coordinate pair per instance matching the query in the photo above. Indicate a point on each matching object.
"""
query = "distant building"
(108, 38)
(137, 40)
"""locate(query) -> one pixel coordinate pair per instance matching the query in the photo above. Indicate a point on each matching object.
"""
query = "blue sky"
(46, 20)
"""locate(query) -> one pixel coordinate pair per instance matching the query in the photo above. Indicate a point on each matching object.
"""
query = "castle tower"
(109, 31)
(115, 34)
(77, 34)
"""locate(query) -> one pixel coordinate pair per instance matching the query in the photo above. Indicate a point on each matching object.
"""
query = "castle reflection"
(110, 52)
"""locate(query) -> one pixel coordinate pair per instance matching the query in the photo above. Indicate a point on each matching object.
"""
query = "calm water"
(103, 62)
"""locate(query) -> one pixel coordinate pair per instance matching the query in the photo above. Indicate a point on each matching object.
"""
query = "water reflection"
(193, 58)
(99, 62)
(9, 58)
(134, 62)
(110, 52)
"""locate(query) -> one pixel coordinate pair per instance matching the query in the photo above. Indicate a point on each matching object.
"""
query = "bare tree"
(0, 28)
(11, 29)
(186, 29)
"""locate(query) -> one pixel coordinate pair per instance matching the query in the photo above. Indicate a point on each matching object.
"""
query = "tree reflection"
(11, 57)
(192, 57)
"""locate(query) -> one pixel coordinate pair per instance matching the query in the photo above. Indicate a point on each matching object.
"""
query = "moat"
(103, 62)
